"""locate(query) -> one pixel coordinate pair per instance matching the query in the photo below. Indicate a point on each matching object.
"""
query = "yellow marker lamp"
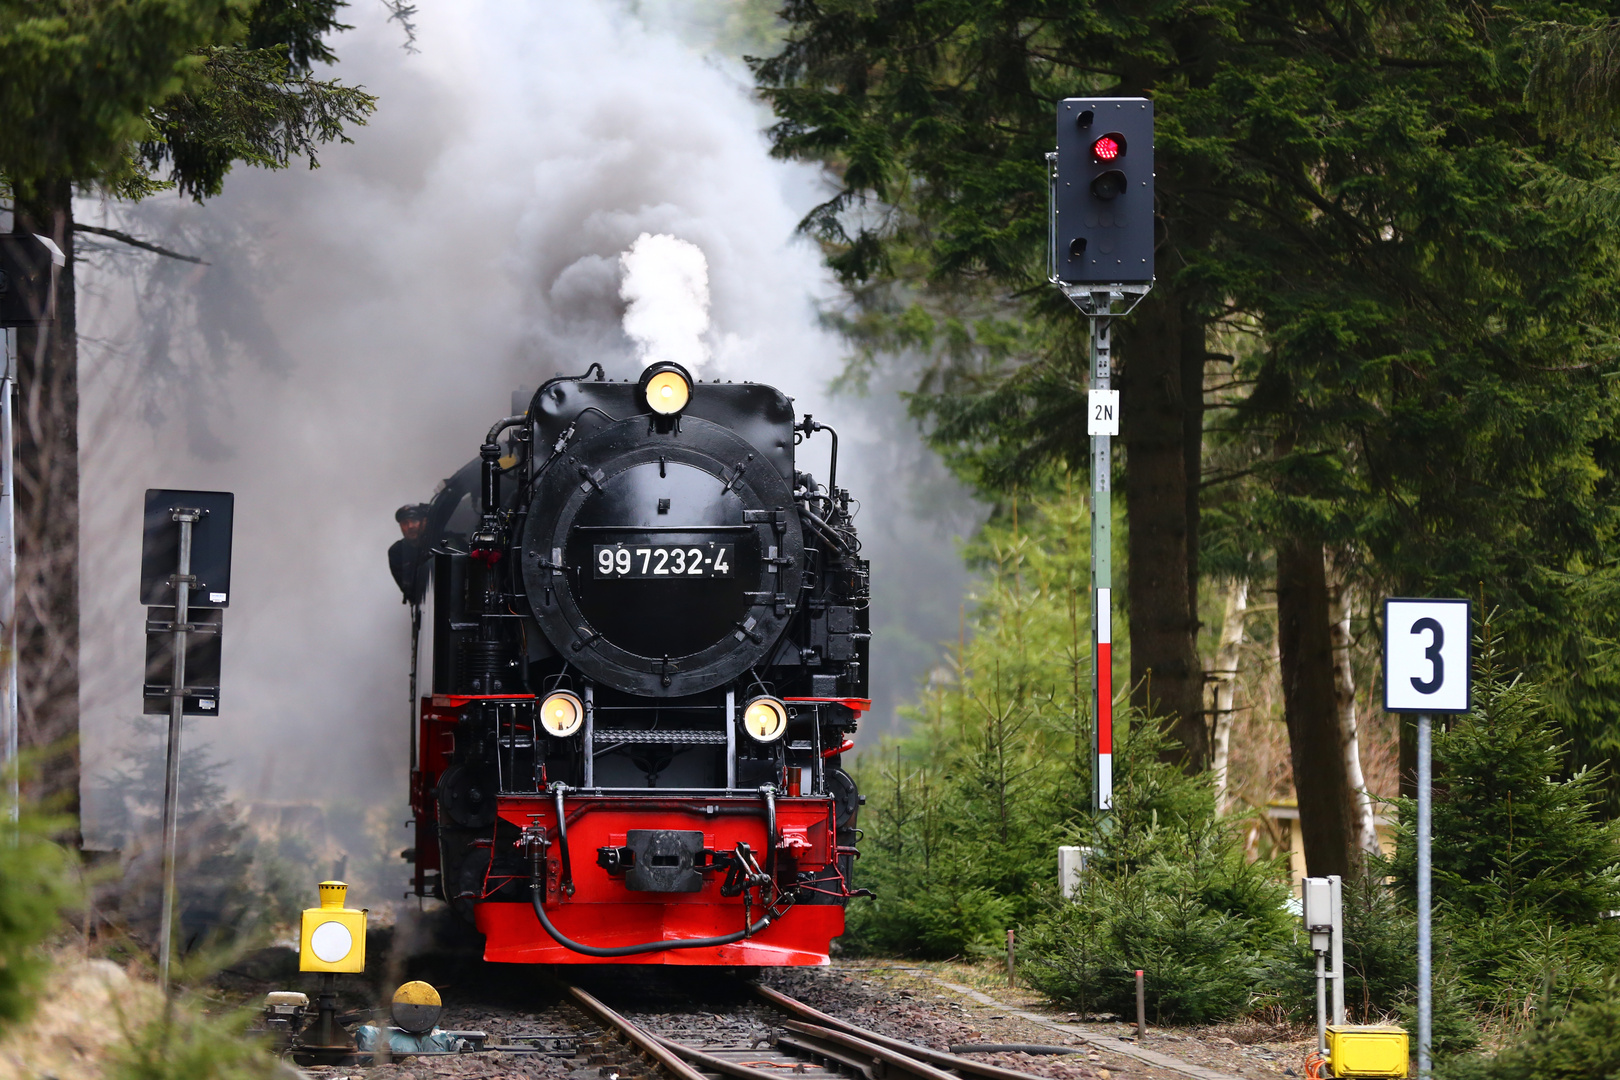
(333, 937)
(765, 719)
(562, 713)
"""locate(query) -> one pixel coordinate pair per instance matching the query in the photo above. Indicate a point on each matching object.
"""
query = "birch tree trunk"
(1344, 691)
(1226, 671)
(46, 437)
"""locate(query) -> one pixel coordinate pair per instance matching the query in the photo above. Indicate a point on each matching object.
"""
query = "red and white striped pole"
(1102, 423)
(1103, 786)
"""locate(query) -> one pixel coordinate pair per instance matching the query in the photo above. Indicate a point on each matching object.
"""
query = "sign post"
(1100, 242)
(1426, 671)
(191, 531)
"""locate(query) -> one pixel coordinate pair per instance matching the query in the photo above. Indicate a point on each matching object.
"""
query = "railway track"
(809, 1045)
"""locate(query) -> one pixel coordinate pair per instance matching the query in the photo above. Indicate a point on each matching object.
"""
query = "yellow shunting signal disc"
(765, 719)
(562, 713)
(332, 937)
(667, 393)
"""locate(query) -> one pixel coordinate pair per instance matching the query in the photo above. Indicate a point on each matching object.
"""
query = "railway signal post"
(1100, 253)
(191, 532)
(1426, 671)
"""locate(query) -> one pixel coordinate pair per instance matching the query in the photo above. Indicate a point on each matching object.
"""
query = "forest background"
(1378, 359)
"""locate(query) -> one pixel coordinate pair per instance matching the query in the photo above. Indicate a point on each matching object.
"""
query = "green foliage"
(81, 76)
(1168, 891)
(34, 886)
(247, 106)
(1417, 264)
(187, 1044)
(1525, 869)
(963, 814)
(1582, 1044)
(139, 95)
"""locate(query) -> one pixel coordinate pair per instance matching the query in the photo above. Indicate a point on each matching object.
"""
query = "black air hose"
(537, 886)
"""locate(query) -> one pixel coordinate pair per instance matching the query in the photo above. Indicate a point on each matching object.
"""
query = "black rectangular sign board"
(210, 547)
(202, 661)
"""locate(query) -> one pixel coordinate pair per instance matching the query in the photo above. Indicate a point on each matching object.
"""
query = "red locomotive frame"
(600, 910)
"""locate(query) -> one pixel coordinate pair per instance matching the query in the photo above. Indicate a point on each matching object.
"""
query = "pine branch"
(145, 245)
(405, 14)
(1574, 81)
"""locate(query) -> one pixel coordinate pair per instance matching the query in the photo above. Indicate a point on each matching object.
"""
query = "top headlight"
(666, 388)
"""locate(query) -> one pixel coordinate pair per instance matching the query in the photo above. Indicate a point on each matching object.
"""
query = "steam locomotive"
(649, 654)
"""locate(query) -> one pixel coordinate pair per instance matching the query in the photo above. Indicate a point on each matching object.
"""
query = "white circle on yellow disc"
(331, 942)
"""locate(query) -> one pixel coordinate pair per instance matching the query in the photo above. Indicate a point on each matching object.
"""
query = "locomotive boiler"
(649, 654)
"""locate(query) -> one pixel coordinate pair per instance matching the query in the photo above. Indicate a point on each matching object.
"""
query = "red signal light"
(1108, 148)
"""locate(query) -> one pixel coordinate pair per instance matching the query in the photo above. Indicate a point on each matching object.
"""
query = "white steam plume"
(361, 326)
(666, 282)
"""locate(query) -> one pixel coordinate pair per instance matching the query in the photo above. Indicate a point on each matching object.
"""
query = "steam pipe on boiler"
(491, 454)
(807, 426)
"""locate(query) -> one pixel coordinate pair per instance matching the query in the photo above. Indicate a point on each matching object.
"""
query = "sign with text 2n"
(1102, 416)
(1426, 656)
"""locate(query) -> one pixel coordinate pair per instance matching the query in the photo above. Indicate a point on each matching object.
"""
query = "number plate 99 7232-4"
(708, 560)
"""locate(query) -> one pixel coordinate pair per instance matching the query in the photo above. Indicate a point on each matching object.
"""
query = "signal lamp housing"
(666, 388)
(562, 713)
(1109, 185)
(332, 937)
(765, 719)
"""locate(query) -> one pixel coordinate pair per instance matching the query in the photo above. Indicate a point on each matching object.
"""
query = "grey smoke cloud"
(362, 324)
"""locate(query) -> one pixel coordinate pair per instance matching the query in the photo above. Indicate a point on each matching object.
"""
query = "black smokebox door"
(210, 547)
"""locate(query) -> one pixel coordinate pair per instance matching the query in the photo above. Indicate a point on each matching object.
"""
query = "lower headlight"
(562, 713)
(765, 719)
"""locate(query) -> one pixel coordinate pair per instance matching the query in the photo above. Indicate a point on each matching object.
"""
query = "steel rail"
(938, 1059)
(645, 1041)
(899, 1060)
(715, 1064)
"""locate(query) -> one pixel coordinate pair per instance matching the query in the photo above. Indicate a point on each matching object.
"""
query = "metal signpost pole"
(1427, 671)
(1425, 1009)
(1102, 550)
(8, 586)
(177, 703)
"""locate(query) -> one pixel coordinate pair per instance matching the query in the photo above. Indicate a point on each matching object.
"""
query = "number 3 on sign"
(1426, 654)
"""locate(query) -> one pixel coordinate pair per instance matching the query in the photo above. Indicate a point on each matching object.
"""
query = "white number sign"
(1426, 654)
(1102, 416)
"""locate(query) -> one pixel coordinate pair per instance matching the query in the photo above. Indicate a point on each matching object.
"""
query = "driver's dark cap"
(412, 512)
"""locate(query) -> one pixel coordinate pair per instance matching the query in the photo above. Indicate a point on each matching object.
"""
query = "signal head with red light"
(1102, 192)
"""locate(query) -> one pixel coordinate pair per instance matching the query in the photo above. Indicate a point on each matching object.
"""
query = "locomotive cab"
(649, 643)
